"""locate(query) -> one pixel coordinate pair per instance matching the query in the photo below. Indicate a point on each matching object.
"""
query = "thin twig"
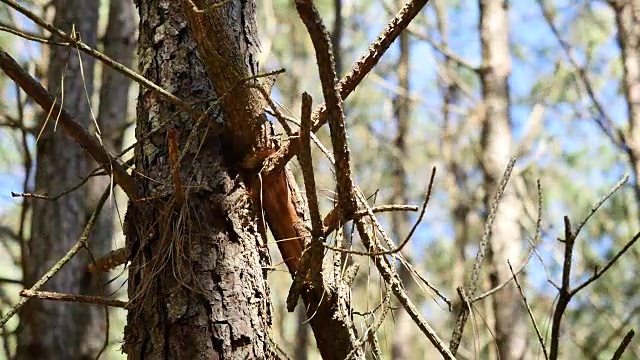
(536, 240)
(526, 304)
(76, 131)
(32, 37)
(598, 273)
(73, 41)
(358, 71)
(475, 273)
(331, 221)
(405, 241)
(82, 242)
(601, 202)
(605, 123)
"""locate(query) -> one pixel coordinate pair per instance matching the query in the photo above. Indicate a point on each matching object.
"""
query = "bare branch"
(306, 162)
(73, 41)
(331, 221)
(599, 272)
(361, 68)
(526, 304)
(324, 56)
(48, 295)
(601, 202)
(565, 291)
(475, 273)
(605, 123)
(82, 242)
(623, 345)
(78, 133)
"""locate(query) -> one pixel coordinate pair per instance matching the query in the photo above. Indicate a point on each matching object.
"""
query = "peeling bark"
(196, 281)
(227, 42)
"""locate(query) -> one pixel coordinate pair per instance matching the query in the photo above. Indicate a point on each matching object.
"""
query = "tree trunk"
(63, 330)
(510, 328)
(404, 327)
(196, 280)
(629, 42)
(119, 45)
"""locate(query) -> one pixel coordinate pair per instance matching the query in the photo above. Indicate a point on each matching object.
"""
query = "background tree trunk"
(120, 45)
(510, 328)
(629, 42)
(63, 330)
(404, 327)
(196, 281)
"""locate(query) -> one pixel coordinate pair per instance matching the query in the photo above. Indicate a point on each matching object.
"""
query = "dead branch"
(331, 221)
(76, 131)
(533, 319)
(343, 170)
(81, 243)
(110, 261)
(623, 345)
(565, 291)
(49, 295)
(311, 262)
(475, 273)
(326, 66)
(73, 41)
(605, 122)
(358, 72)
(399, 248)
(535, 242)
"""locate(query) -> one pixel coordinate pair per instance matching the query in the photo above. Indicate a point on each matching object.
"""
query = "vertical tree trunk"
(455, 174)
(196, 280)
(119, 45)
(629, 42)
(403, 340)
(61, 330)
(496, 146)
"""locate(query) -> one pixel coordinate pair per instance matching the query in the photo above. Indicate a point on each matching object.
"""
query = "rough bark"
(336, 36)
(65, 331)
(404, 327)
(235, 76)
(510, 327)
(629, 42)
(196, 281)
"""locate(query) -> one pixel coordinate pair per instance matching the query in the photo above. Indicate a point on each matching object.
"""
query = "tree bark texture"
(228, 44)
(63, 330)
(504, 244)
(196, 280)
(629, 41)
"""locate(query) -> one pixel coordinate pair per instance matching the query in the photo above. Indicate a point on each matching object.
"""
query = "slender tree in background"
(456, 172)
(509, 328)
(46, 327)
(404, 327)
(120, 45)
(627, 14)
